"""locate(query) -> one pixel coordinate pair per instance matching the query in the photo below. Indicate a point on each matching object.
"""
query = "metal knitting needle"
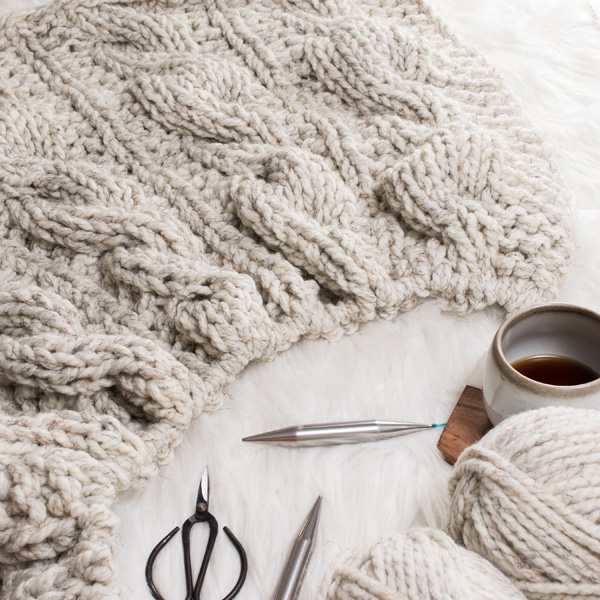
(351, 432)
(293, 572)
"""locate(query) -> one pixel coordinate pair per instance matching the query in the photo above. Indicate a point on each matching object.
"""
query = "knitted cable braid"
(423, 564)
(189, 186)
(527, 498)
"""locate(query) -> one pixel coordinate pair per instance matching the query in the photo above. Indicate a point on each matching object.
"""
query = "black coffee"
(555, 370)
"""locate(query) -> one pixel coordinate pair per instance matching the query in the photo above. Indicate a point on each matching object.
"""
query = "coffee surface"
(555, 370)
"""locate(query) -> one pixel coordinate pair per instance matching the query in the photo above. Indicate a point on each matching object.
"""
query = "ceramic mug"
(555, 330)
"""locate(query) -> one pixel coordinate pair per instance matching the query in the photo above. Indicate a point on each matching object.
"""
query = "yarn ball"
(527, 498)
(424, 564)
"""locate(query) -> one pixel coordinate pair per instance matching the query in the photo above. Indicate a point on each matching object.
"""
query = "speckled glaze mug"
(555, 330)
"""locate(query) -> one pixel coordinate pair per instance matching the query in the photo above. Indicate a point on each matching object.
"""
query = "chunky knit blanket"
(187, 186)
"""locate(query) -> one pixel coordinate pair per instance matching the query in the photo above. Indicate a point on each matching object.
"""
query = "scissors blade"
(204, 489)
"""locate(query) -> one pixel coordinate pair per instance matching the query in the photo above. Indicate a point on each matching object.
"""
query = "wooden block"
(467, 424)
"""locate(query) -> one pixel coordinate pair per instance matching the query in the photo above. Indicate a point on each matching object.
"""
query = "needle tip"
(310, 525)
(279, 435)
(257, 438)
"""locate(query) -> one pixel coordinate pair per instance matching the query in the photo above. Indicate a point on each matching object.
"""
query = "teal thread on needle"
(440, 424)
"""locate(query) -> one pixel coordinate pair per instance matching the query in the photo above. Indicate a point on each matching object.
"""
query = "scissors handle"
(243, 564)
(193, 591)
(185, 538)
(150, 562)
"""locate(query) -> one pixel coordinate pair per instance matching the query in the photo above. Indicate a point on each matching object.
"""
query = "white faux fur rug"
(410, 369)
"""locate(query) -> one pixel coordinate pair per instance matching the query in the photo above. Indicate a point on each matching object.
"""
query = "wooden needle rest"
(467, 424)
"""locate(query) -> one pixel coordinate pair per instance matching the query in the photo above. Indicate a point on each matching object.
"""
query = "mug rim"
(508, 371)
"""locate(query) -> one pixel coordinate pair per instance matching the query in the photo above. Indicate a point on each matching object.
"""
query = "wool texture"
(527, 498)
(423, 564)
(187, 186)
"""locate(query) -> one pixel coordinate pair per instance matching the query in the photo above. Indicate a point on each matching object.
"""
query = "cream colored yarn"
(424, 564)
(186, 186)
(527, 498)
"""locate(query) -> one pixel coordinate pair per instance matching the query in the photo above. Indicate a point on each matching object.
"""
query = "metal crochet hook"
(201, 515)
(351, 432)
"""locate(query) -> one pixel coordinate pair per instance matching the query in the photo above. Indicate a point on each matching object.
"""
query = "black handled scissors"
(202, 515)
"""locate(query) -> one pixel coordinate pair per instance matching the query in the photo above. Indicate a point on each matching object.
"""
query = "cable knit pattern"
(527, 498)
(188, 186)
(424, 564)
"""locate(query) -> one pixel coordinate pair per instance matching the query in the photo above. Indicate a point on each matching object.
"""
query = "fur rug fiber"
(411, 368)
